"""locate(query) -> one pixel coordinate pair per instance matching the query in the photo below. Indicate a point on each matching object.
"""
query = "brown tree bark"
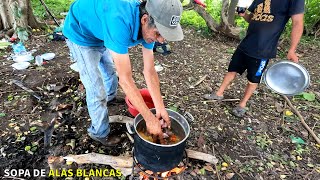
(231, 11)
(224, 27)
(8, 18)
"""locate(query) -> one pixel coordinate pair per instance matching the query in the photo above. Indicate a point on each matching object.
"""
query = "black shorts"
(241, 62)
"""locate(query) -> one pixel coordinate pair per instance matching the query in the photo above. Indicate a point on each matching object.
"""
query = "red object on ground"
(147, 99)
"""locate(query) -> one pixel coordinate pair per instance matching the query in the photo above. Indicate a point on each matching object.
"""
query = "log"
(120, 119)
(126, 161)
(117, 161)
(202, 156)
(123, 163)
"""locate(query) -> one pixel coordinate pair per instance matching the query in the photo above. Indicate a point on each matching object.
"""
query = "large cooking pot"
(158, 157)
(286, 78)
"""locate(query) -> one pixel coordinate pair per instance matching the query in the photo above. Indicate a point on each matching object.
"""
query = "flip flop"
(212, 97)
(238, 111)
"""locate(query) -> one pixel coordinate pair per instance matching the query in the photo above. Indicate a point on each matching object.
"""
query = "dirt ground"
(265, 144)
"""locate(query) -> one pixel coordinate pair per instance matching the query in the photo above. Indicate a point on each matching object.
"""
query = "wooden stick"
(126, 161)
(120, 119)
(47, 9)
(117, 161)
(223, 100)
(202, 156)
(301, 119)
(199, 81)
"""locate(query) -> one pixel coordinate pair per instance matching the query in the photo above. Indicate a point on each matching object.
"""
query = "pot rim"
(164, 145)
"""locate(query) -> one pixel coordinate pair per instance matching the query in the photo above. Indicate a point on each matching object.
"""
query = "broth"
(175, 134)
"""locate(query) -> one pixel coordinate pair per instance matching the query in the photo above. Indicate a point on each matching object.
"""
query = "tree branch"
(301, 119)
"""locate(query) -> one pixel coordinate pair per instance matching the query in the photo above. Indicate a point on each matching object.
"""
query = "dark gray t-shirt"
(268, 22)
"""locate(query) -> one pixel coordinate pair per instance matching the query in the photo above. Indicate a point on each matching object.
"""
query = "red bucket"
(147, 99)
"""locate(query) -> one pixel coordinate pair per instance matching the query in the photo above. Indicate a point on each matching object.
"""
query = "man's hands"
(154, 126)
(292, 56)
(163, 114)
(242, 14)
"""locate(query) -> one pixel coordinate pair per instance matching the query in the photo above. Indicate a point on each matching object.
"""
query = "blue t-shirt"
(268, 22)
(114, 24)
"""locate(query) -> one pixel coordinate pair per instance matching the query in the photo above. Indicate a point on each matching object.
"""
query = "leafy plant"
(56, 7)
(299, 150)
(263, 141)
(312, 15)
(307, 96)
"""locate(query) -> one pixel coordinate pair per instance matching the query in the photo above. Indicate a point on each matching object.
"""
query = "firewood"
(117, 161)
(123, 163)
(202, 156)
(120, 119)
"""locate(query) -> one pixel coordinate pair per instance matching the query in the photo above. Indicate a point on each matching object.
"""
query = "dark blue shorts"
(241, 62)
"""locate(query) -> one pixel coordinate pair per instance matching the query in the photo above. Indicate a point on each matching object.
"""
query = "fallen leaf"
(310, 165)
(229, 175)
(288, 113)
(282, 176)
(278, 107)
(224, 164)
(201, 141)
(208, 168)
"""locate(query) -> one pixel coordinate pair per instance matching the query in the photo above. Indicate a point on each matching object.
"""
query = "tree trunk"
(10, 18)
(207, 18)
(231, 11)
(224, 27)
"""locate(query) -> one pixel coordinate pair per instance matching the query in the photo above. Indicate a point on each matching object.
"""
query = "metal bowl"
(287, 78)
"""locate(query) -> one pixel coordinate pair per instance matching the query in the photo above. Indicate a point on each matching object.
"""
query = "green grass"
(55, 6)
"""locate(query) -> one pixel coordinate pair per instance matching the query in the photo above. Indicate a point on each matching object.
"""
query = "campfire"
(147, 174)
(128, 164)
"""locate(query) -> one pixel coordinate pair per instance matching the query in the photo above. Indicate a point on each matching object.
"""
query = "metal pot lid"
(287, 78)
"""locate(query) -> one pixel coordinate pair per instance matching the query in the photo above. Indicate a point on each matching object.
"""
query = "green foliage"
(306, 96)
(191, 18)
(312, 15)
(263, 141)
(214, 9)
(55, 6)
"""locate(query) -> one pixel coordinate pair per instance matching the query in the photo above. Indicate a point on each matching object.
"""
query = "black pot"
(158, 157)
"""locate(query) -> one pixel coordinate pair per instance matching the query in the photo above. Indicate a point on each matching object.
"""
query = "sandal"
(212, 97)
(239, 111)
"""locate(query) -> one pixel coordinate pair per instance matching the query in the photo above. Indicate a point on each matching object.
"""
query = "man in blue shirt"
(267, 21)
(99, 34)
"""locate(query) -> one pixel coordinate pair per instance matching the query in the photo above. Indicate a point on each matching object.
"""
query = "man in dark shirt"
(267, 21)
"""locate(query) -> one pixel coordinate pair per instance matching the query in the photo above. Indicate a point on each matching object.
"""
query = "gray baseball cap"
(166, 14)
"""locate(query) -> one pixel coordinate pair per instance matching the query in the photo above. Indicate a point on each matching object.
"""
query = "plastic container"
(23, 57)
(39, 60)
(48, 56)
(147, 99)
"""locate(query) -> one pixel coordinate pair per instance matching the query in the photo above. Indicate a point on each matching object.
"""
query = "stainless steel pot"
(158, 157)
(286, 78)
